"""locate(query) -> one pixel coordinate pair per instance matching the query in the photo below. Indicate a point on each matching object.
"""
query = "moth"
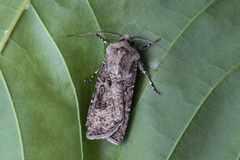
(110, 105)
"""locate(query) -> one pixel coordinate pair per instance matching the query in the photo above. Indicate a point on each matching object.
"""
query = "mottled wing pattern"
(128, 88)
(106, 111)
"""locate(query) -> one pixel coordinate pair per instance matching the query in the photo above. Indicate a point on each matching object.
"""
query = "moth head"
(128, 39)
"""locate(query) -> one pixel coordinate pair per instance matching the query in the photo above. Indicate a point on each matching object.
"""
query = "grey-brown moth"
(109, 108)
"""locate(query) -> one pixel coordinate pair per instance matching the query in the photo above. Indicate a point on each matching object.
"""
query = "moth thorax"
(126, 38)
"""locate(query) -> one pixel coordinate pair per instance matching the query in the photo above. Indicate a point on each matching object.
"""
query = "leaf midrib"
(12, 25)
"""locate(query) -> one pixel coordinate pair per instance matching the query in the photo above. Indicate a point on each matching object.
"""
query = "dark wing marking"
(106, 111)
(128, 88)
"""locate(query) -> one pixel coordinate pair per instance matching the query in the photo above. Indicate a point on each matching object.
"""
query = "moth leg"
(140, 48)
(102, 39)
(140, 65)
(93, 75)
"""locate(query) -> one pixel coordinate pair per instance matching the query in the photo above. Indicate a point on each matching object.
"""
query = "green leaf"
(44, 100)
(10, 12)
(38, 100)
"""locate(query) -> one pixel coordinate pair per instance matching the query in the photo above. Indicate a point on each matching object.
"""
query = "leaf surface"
(45, 100)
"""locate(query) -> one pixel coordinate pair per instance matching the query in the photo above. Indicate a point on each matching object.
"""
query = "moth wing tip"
(109, 139)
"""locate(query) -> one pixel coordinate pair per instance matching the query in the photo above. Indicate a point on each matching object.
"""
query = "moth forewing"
(104, 116)
(128, 69)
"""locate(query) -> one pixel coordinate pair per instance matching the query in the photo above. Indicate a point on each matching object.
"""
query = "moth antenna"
(140, 39)
(96, 32)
